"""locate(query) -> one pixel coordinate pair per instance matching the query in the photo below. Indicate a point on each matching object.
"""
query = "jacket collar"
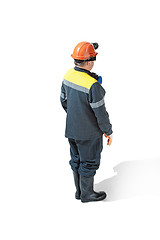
(94, 75)
(82, 70)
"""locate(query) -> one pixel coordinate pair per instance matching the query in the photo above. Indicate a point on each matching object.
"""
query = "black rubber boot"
(76, 181)
(87, 192)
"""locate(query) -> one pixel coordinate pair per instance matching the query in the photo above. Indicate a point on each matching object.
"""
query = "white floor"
(131, 210)
(36, 183)
(39, 203)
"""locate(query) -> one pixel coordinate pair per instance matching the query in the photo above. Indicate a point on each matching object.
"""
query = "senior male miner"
(82, 97)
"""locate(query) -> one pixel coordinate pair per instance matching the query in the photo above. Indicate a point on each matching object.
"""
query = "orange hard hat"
(84, 51)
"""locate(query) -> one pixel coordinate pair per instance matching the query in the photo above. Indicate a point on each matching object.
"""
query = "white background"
(36, 183)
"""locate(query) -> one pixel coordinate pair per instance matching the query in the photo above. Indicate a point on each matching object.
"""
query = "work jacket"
(82, 97)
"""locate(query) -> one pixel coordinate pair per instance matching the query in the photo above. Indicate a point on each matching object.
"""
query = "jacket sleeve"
(63, 98)
(97, 103)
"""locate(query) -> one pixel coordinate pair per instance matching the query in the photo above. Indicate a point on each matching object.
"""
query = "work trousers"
(85, 155)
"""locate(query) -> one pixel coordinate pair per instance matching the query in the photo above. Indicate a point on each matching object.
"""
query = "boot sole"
(78, 198)
(94, 200)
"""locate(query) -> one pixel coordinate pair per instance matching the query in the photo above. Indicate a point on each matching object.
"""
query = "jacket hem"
(84, 138)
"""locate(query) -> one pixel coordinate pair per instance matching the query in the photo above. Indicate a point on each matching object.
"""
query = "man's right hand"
(110, 139)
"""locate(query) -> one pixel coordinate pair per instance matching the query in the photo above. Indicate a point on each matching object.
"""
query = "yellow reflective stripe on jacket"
(79, 78)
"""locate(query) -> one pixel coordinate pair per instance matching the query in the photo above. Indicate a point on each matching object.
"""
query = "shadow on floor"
(132, 179)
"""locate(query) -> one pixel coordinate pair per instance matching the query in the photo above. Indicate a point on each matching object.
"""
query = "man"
(82, 97)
